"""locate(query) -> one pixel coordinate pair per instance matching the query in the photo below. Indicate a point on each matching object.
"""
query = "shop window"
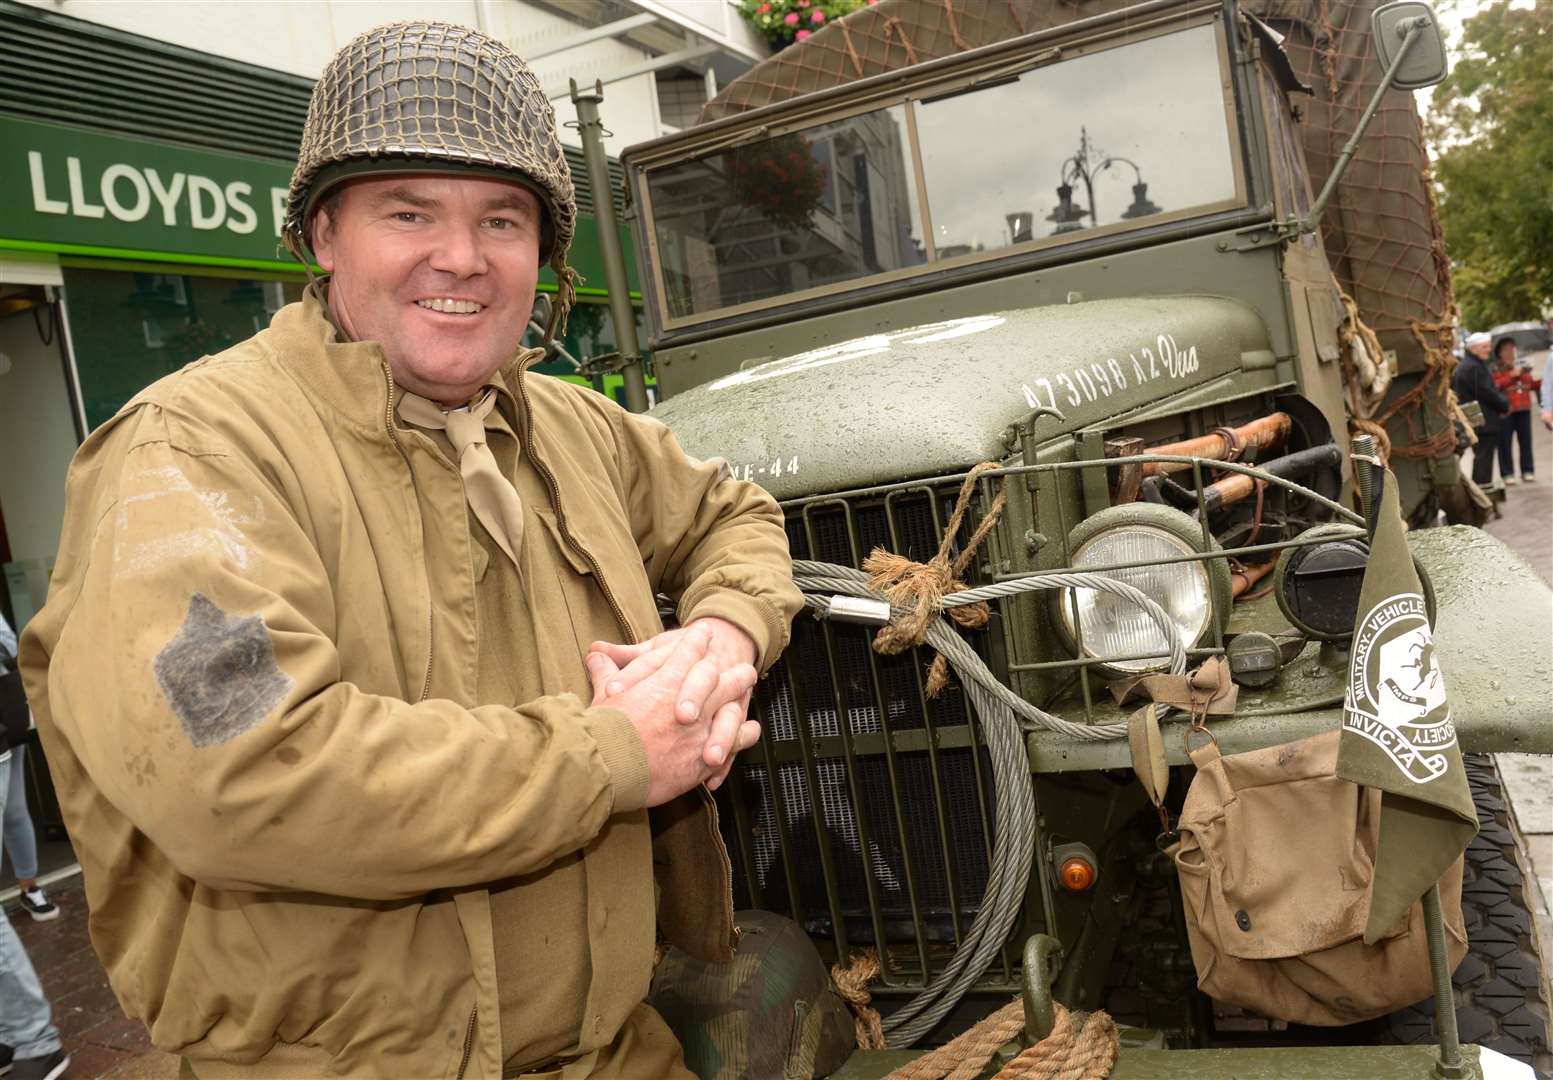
(130, 328)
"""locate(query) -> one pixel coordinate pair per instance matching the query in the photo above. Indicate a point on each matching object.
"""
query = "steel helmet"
(770, 1013)
(433, 96)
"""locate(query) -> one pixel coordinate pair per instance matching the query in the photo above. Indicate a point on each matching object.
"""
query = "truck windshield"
(1103, 140)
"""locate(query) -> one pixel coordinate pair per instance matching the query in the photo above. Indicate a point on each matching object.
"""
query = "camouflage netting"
(1381, 231)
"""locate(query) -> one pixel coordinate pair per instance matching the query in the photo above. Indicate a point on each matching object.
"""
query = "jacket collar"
(352, 377)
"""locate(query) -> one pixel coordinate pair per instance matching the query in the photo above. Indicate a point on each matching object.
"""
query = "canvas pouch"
(1275, 856)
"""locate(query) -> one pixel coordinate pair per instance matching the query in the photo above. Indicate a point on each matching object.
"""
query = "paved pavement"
(103, 1043)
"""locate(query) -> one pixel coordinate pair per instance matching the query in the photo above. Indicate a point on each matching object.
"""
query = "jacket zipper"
(469, 1042)
(431, 626)
(560, 515)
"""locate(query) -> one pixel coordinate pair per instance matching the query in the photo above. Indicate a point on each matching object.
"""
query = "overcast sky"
(1000, 150)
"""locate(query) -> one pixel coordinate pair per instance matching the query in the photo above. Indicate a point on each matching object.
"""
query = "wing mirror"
(1409, 45)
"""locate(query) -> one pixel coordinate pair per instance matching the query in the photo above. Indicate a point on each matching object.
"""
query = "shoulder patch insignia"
(219, 673)
(1396, 694)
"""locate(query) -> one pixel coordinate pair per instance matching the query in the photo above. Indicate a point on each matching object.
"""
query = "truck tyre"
(1501, 985)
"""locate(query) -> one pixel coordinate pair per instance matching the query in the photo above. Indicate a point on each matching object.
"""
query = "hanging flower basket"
(782, 22)
(780, 178)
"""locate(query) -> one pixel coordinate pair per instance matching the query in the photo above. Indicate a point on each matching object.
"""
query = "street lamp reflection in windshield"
(1085, 166)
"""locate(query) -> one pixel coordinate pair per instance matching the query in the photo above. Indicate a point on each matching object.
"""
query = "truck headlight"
(1193, 592)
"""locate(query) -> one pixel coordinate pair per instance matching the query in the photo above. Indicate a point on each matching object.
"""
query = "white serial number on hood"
(1102, 378)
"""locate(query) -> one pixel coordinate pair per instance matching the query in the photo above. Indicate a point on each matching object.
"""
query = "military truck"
(856, 296)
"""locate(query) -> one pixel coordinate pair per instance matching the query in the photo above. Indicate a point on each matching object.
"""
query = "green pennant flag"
(1397, 731)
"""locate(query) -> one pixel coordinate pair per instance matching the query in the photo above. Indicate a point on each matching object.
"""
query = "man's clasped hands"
(687, 692)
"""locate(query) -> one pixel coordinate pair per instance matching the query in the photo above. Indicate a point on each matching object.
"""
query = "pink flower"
(791, 18)
(818, 16)
(762, 9)
(803, 3)
(802, 35)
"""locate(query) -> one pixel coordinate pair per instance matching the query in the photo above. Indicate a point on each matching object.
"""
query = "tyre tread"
(1501, 987)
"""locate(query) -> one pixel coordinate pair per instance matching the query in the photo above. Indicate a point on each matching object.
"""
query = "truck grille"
(876, 829)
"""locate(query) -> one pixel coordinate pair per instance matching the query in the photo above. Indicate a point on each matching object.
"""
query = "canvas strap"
(491, 496)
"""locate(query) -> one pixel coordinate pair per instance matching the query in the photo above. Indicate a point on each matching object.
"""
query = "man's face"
(440, 270)
(1480, 350)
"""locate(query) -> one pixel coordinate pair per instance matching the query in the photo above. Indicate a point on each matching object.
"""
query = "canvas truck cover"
(1381, 230)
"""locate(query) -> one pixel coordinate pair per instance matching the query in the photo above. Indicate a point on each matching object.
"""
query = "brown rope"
(1435, 387)
(1358, 426)
(920, 588)
(893, 25)
(1261, 499)
(967, 1053)
(846, 38)
(852, 984)
(1013, 14)
(954, 29)
(1072, 1051)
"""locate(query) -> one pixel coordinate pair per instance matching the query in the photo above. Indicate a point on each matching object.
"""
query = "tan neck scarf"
(491, 495)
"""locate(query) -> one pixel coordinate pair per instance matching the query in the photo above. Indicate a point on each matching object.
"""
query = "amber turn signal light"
(1076, 874)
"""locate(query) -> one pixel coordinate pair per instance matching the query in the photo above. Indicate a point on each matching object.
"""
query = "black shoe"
(36, 904)
(48, 1067)
(5, 1058)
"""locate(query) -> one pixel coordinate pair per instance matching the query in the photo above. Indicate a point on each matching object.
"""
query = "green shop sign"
(81, 192)
(72, 190)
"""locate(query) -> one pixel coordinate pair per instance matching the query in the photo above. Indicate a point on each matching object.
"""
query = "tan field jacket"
(252, 680)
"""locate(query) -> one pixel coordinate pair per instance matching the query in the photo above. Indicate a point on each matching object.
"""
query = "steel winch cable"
(998, 707)
(819, 580)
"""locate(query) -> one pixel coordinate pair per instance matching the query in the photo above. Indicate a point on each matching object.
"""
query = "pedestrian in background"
(29, 1043)
(1474, 382)
(1547, 394)
(21, 842)
(20, 838)
(1515, 380)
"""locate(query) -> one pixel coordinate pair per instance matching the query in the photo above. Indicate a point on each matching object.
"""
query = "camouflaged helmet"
(770, 1014)
(434, 96)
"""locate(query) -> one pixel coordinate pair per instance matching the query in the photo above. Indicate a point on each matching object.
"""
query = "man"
(1474, 382)
(351, 674)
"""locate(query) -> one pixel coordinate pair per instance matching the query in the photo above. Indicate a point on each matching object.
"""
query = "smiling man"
(376, 756)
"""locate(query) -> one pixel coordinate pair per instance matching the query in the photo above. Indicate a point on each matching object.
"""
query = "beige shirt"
(534, 632)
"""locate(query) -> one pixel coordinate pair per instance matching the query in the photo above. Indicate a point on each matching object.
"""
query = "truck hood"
(937, 398)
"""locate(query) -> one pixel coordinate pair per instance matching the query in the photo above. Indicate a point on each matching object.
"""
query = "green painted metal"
(1192, 265)
(940, 396)
(1499, 683)
(1288, 1063)
(611, 248)
(1251, 1063)
(864, 394)
(1043, 959)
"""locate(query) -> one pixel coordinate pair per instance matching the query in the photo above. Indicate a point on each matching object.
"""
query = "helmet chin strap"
(299, 251)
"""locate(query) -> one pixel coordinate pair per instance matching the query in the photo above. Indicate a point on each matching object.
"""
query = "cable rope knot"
(1079, 1047)
(851, 982)
(917, 589)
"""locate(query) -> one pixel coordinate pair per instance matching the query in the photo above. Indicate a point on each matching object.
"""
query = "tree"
(1492, 119)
